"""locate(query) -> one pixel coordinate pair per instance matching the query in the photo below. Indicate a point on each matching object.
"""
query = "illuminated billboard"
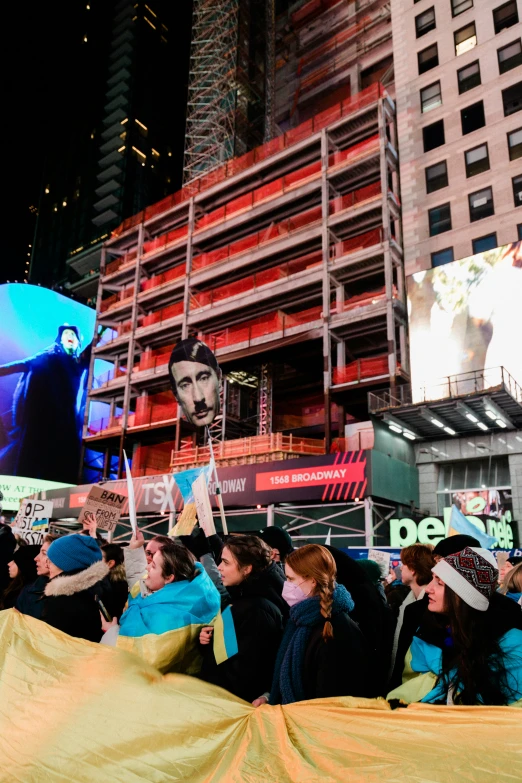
(465, 324)
(45, 347)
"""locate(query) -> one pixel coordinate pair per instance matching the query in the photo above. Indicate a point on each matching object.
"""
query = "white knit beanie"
(472, 574)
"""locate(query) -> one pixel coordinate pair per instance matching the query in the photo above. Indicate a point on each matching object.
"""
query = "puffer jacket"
(69, 603)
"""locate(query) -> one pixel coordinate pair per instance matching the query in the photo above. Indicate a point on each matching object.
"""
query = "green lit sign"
(431, 530)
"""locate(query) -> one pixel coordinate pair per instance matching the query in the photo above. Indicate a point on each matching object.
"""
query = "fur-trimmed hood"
(64, 584)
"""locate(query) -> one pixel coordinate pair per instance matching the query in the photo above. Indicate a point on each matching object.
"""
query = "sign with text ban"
(105, 505)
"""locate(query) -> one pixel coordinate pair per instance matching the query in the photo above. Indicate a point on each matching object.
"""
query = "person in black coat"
(7, 548)
(375, 619)
(30, 600)
(22, 570)
(76, 569)
(253, 583)
(323, 652)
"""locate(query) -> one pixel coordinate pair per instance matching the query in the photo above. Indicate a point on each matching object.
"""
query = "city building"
(458, 81)
(116, 155)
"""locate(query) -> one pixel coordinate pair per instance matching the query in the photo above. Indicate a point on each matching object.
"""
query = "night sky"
(42, 96)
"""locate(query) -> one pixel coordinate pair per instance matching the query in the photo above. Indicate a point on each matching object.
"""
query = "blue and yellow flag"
(163, 628)
(459, 524)
(225, 640)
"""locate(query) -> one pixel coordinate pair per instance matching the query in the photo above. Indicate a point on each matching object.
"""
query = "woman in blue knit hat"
(323, 653)
(76, 567)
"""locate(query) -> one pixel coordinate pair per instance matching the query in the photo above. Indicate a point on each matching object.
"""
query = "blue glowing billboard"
(45, 347)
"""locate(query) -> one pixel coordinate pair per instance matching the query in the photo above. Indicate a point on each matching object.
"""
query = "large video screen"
(465, 324)
(45, 347)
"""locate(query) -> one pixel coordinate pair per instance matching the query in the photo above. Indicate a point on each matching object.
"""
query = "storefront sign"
(431, 530)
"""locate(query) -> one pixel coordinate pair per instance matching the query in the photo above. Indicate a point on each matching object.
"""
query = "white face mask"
(293, 594)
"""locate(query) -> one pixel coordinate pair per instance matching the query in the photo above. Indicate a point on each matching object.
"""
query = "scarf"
(287, 685)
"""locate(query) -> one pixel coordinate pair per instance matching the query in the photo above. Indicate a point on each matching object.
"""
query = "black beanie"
(453, 544)
(277, 538)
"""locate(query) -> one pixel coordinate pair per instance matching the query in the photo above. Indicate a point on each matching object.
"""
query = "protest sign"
(32, 519)
(383, 558)
(132, 502)
(203, 507)
(106, 507)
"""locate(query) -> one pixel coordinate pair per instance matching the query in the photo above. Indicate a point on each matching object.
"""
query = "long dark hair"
(250, 550)
(475, 657)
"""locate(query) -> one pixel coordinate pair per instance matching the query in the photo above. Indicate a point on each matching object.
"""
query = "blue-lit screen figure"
(42, 431)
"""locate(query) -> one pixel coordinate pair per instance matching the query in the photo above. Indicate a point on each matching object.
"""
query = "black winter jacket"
(258, 621)
(339, 666)
(69, 603)
(31, 599)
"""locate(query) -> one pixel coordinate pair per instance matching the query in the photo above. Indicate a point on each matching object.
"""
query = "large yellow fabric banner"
(76, 712)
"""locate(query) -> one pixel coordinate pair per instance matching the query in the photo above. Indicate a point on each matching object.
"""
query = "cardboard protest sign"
(383, 558)
(106, 507)
(32, 520)
(203, 507)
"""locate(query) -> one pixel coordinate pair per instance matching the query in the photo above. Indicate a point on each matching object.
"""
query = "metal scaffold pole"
(270, 28)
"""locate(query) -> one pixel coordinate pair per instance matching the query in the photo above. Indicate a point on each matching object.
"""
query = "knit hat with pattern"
(472, 574)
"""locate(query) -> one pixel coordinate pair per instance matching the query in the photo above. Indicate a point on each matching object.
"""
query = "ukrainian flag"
(459, 524)
(163, 627)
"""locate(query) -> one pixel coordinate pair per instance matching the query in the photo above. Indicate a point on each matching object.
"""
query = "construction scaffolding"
(225, 107)
(289, 256)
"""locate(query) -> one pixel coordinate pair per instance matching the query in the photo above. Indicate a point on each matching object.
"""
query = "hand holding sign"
(203, 507)
(104, 505)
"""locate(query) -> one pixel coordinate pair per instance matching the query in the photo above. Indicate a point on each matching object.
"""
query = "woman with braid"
(323, 653)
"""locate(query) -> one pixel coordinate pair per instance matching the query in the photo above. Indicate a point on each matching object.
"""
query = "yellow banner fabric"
(76, 712)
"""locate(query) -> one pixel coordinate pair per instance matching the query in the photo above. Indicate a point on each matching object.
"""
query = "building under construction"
(286, 260)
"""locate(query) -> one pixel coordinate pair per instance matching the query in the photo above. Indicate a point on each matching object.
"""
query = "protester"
(373, 570)
(163, 625)
(466, 650)
(372, 615)
(138, 556)
(113, 555)
(417, 561)
(208, 549)
(254, 584)
(7, 548)
(510, 563)
(279, 541)
(30, 600)
(75, 567)
(323, 652)
(512, 584)
(22, 572)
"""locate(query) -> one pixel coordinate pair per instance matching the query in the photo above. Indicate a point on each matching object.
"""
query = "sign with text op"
(32, 520)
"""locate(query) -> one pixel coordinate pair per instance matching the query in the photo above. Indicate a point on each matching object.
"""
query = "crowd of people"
(445, 627)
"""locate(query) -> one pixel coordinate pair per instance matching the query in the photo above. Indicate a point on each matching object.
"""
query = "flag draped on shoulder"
(163, 627)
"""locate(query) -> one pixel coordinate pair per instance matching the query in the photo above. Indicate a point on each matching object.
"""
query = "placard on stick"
(203, 507)
(106, 507)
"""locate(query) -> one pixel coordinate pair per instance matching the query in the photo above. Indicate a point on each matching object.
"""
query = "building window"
(439, 219)
(428, 58)
(509, 56)
(469, 77)
(515, 144)
(505, 15)
(465, 39)
(425, 22)
(433, 135)
(442, 257)
(472, 117)
(481, 204)
(512, 99)
(430, 97)
(477, 160)
(517, 190)
(481, 244)
(459, 6)
(436, 177)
